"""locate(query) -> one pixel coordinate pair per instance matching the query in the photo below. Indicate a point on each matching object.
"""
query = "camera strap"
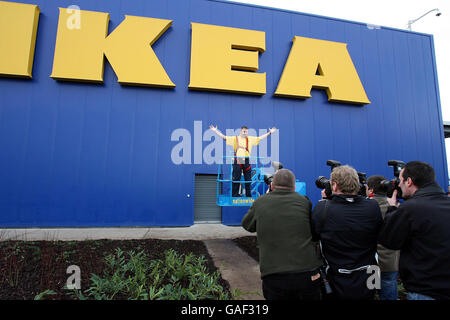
(322, 223)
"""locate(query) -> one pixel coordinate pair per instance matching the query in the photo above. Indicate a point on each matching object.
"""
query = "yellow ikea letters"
(18, 27)
(222, 58)
(322, 65)
(218, 56)
(79, 51)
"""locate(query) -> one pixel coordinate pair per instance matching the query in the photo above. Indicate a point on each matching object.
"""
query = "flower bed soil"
(249, 245)
(28, 268)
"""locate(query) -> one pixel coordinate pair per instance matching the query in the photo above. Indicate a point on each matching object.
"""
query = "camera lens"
(268, 179)
(386, 186)
(322, 182)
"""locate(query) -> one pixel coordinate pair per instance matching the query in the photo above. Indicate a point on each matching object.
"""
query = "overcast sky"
(394, 14)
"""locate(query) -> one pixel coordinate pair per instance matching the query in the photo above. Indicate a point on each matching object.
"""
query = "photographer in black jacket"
(347, 226)
(420, 228)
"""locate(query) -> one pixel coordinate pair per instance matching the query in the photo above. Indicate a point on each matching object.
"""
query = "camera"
(268, 178)
(362, 183)
(323, 182)
(390, 185)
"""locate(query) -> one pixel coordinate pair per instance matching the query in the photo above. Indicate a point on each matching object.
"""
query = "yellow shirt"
(241, 151)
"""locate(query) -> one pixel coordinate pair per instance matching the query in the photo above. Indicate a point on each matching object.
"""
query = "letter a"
(373, 281)
(74, 281)
(320, 64)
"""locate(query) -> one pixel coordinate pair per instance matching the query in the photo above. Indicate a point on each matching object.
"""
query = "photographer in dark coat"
(420, 228)
(347, 226)
(288, 258)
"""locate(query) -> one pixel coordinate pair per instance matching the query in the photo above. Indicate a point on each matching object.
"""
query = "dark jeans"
(291, 286)
(418, 296)
(388, 289)
(237, 172)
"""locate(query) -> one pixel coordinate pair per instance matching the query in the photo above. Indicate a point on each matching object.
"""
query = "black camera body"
(268, 178)
(362, 184)
(390, 185)
(323, 182)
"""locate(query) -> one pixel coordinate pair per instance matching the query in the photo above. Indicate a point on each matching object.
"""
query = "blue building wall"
(76, 154)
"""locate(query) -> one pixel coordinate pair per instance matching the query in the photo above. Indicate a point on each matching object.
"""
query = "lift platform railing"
(257, 183)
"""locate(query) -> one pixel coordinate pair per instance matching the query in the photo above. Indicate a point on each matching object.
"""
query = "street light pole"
(410, 22)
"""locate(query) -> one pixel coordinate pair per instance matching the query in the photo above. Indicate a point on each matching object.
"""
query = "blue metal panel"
(75, 154)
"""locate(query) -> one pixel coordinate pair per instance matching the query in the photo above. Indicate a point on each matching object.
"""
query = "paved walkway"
(236, 266)
(202, 231)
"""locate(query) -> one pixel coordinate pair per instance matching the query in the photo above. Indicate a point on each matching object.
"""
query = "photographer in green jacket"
(289, 260)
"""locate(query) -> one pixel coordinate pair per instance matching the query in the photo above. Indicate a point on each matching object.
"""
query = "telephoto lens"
(386, 186)
(390, 185)
(362, 182)
(268, 178)
(323, 183)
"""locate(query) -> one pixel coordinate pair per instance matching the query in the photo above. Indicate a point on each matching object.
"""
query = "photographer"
(387, 259)
(288, 259)
(419, 227)
(347, 226)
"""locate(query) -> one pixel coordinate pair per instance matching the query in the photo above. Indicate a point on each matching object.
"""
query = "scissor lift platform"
(258, 185)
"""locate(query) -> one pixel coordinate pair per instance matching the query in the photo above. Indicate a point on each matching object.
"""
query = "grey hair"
(284, 178)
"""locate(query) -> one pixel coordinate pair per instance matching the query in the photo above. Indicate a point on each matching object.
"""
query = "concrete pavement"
(202, 231)
(237, 267)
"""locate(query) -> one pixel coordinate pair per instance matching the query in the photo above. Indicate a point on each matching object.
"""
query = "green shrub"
(134, 276)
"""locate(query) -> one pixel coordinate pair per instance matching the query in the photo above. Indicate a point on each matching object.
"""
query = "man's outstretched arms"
(216, 131)
(220, 134)
(268, 133)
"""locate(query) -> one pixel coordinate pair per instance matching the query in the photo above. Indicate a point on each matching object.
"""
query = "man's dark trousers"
(291, 286)
(237, 172)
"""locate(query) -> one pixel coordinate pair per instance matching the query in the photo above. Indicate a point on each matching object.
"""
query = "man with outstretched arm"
(242, 145)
